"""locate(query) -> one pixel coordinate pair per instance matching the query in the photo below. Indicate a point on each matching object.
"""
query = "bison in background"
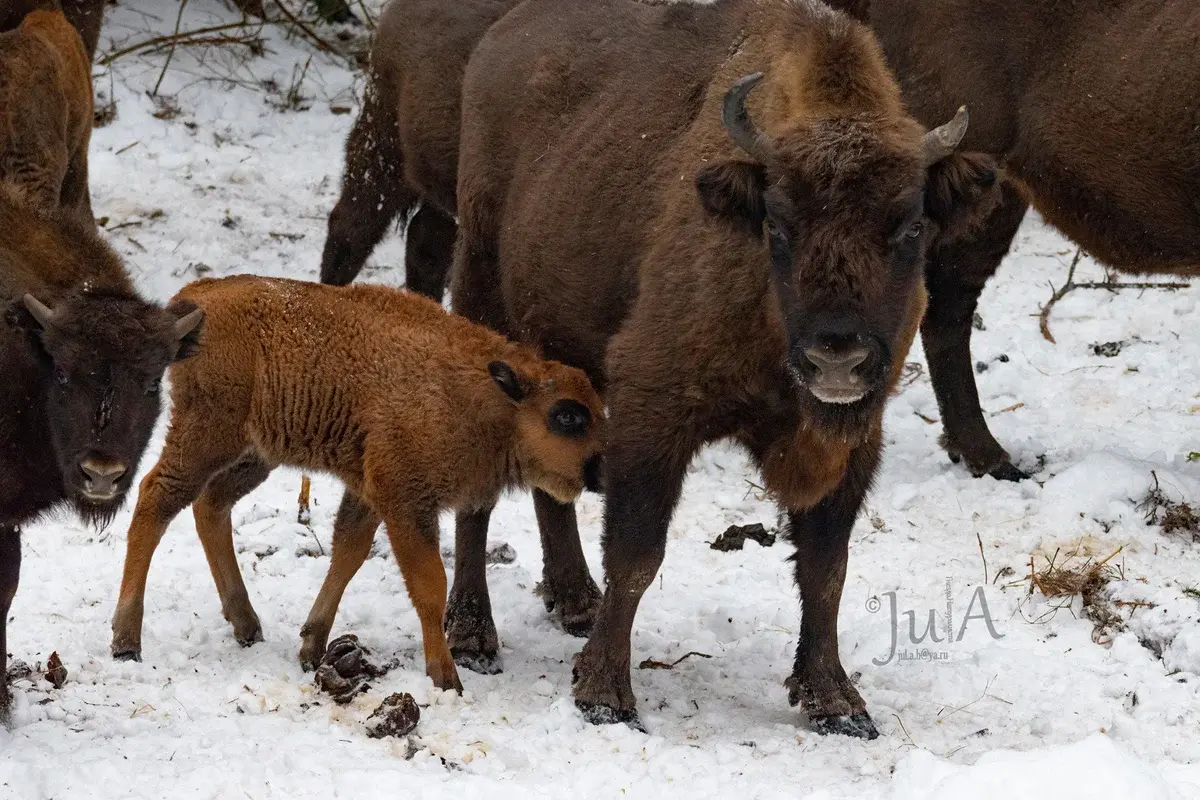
(766, 292)
(1090, 107)
(82, 356)
(85, 15)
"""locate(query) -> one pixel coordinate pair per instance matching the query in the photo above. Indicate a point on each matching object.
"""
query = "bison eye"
(154, 386)
(569, 418)
(60, 375)
(915, 230)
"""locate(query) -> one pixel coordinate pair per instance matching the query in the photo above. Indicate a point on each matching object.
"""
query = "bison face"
(103, 359)
(840, 211)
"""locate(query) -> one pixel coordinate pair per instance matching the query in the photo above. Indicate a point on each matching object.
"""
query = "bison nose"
(593, 474)
(837, 378)
(100, 477)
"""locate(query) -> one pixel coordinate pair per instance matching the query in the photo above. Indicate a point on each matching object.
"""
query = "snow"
(233, 184)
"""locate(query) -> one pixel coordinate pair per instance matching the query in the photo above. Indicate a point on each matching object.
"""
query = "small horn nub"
(944, 139)
(39, 310)
(188, 322)
(742, 130)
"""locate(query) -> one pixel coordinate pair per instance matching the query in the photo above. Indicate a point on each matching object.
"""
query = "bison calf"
(46, 112)
(416, 410)
(81, 357)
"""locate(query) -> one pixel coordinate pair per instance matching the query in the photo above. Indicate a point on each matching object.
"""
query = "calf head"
(559, 426)
(840, 210)
(103, 358)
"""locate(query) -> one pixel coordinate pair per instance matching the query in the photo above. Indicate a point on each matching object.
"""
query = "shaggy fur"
(85, 15)
(416, 410)
(1090, 105)
(81, 391)
(606, 216)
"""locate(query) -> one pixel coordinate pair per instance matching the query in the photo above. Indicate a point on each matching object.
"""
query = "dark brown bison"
(81, 355)
(85, 15)
(1090, 107)
(720, 212)
(402, 154)
(403, 149)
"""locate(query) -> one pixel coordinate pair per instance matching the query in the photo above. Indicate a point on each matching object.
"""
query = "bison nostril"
(843, 361)
(101, 475)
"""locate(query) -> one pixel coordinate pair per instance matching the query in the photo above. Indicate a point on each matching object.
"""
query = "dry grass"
(1076, 572)
(1173, 516)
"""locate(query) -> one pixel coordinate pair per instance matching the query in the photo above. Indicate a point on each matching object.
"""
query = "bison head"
(841, 209)
(103, 358)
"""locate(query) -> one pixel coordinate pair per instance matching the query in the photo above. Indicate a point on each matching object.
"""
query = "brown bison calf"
(416, 410)
(46, 112)
(620, 206)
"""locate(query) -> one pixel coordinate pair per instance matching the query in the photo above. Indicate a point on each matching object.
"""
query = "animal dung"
(735, 536)
(56, 673)
(345, 670)
(397, 715)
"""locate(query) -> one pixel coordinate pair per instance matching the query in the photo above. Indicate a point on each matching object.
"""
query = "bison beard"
(605, 217)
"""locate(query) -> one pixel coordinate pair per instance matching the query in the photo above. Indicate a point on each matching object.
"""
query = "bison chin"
(836, 417)
(97, 514)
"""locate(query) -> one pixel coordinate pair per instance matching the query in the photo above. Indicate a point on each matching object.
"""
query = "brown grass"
(1173, 516)
(1065, 575)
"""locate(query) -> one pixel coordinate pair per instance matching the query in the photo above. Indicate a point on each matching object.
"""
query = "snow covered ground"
(231, 184)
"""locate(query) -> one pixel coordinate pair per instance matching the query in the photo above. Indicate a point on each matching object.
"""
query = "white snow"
(1042, 711)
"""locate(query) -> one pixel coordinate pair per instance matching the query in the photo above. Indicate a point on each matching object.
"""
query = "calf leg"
(567, 585)
(821, 536)
(214, 524)
(10, 573)
(415, 545)
(193, 454)
(649, 449)
(955, 275)
(353, 532)
(470, 629)
(429, 250)
(373, 189)
(75, 195)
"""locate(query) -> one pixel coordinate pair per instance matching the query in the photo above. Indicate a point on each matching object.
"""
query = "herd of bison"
(660, 224)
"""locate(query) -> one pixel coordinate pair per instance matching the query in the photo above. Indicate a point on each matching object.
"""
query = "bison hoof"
(859, 726)
(603, 715)
(1008, 472)
(253, 637)
(575, 608)
(126, 654)
(476, 661)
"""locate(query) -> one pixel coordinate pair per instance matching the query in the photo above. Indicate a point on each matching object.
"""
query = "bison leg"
(821, 536)
(567, 586)
(214, 524)
(353, 532)
(75, 196)
(416, 548)
(955, 275)
(87, 16)
(10, 573)
(429, 250)
(645, 466)
(373, 190)
(470, 628)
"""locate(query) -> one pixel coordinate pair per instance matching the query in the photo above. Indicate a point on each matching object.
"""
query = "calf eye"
(569, 418)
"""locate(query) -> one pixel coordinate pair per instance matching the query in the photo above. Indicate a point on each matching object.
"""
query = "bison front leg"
(470, 628)
(10, 572)
(567, 586)
(821, 535)
(956, 274)
(645, 464)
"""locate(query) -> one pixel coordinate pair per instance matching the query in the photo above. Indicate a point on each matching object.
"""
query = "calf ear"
(189, 320)
(733, 190)
(509, 381)
(961, 192)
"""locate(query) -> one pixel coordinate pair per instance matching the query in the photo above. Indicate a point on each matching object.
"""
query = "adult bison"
(81, 355)
(1091, 108)
(766, 292)
(85, 15)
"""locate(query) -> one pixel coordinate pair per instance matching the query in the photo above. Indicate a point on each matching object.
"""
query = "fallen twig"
(650, 663)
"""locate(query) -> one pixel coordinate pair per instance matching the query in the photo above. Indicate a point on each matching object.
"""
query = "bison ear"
(509, 381)
(733, 190)
(961, 192)
(189, 320)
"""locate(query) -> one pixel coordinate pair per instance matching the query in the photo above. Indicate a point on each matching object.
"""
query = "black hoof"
(603, 715)
(581, 628)
(483, 663)
(127, 655)
(1008, 472)
(859, 726)
(253, 638)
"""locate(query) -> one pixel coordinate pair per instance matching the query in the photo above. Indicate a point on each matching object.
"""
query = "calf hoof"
(1008, 472)
(251, 637)
(859, 726)
(120, 653)
(991, 459)
(483, 663)
(603, 715)
(575, 607)
(445, 677)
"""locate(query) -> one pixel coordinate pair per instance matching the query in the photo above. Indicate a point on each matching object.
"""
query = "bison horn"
(942, 140)
(187, 323)
(742, 130)
(40, 312)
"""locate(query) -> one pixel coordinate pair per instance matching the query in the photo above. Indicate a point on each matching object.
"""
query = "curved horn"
(188, 322)
(742, 130)
(40, 312)
(942, 140)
